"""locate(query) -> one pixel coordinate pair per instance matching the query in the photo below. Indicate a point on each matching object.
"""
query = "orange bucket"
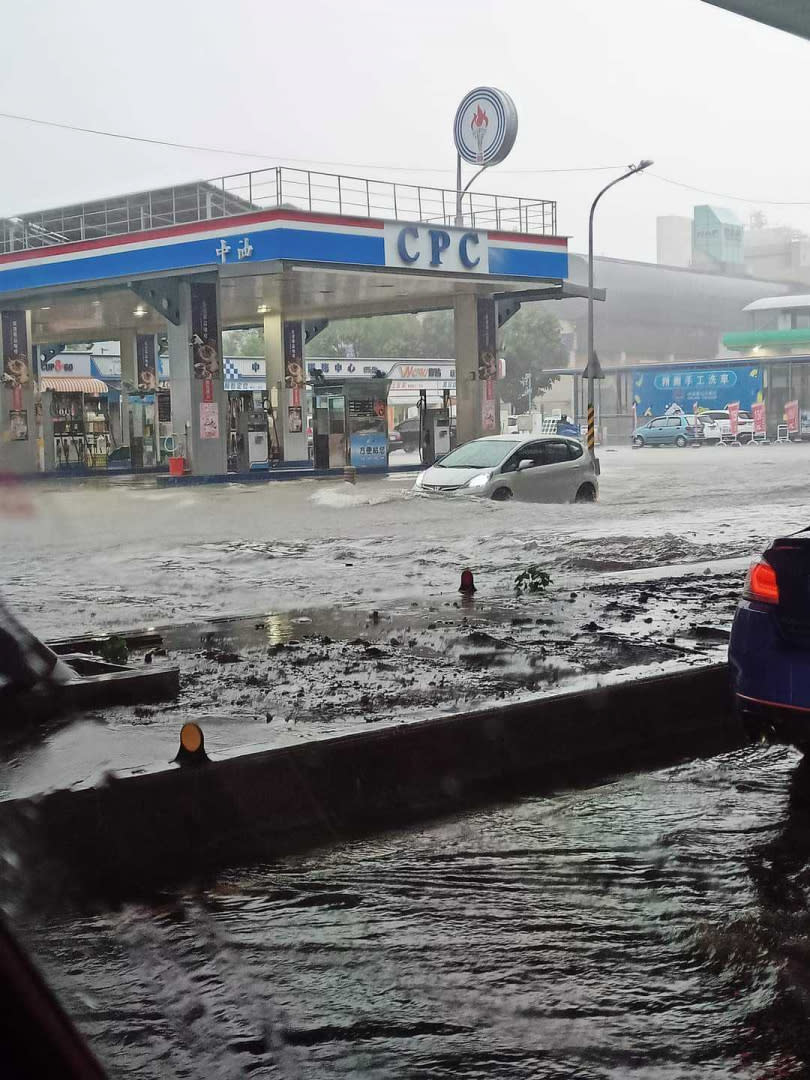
(176, 466)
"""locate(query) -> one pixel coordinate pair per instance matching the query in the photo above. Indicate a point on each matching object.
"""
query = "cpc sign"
(485, 126)
(422, 247)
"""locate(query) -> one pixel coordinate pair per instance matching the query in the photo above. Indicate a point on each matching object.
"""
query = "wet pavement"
(364, 623)
(654, 926)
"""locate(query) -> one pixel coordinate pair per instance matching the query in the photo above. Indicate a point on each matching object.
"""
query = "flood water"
(653, 926)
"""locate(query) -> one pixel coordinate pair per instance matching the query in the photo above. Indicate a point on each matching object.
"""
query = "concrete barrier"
(135, 833)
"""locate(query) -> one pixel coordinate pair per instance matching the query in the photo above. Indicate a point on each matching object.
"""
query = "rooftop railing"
(264, 189)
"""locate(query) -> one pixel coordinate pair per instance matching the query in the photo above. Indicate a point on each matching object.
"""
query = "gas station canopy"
(312, 245)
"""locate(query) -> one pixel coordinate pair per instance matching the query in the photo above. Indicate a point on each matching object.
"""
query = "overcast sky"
(370, 87)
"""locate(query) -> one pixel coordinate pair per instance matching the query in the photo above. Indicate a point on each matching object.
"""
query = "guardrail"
(295, 189)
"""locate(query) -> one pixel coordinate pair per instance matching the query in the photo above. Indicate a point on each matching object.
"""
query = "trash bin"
(176, 466)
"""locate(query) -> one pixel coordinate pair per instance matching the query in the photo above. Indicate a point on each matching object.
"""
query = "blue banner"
(654, 390)
(369, 450)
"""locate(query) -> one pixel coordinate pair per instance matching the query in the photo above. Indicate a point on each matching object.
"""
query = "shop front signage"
(242, 250)
(707, 388)
(422, 247)
(78, 366)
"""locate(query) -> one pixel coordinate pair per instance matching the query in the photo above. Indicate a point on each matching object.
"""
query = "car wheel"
(638, 441)
(680, 441)
(501, 494)
(586, 494)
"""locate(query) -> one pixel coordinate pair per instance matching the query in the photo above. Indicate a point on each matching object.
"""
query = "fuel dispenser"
(252, 440)
(248, 436)
(434, 431)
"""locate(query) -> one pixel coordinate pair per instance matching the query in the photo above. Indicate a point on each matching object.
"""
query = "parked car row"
(682, 429)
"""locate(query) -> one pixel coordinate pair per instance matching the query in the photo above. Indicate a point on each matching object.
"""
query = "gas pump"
(252, 440)
(434, 431)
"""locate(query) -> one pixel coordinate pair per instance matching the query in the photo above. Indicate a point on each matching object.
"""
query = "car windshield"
(480, 454)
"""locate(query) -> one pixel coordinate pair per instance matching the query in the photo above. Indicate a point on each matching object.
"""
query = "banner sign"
(205, 330)
(293, 355)
(709, 388)
(18, 425)
(369, 450)
(792, 415)
(295, 419)
(487, 362)
(146, 359)
(734, 418)
(209, 420)
(758, 415)
(16, 367)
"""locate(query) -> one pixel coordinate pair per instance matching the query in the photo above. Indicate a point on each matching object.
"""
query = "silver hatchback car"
(540, 468)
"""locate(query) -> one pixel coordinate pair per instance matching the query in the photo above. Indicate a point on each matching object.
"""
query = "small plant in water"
(114, 651)
(533, 579)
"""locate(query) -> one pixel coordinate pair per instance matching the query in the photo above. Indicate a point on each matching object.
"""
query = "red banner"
(758, 414)
(734, 418)
(208, 390)
(792, 415)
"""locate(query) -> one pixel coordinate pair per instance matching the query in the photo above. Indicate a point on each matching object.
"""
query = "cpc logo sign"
(421, 248)
(485, 126)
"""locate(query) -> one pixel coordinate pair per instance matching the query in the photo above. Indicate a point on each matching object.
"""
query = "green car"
(666, 431)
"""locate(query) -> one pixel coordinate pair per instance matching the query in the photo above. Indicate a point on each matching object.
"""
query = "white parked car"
(538, 468)
(715, 424)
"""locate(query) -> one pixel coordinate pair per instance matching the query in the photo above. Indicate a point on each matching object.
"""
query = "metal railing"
(293, 189)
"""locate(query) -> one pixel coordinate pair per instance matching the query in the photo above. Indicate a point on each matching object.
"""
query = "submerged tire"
(586, 494)
(638, 442)
(501, 494)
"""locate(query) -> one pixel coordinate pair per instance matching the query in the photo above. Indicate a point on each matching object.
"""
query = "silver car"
(539, 468)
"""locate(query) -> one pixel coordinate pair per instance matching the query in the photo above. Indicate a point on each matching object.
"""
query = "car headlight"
(479, 481)
(418, 481)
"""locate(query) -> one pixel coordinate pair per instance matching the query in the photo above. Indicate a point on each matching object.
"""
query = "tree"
(426, 336)
(531, 343)
(243, 342)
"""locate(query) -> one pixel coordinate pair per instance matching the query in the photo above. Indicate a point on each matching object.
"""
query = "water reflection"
(651, 926)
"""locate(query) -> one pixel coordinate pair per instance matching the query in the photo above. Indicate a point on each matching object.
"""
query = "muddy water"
(655, 926)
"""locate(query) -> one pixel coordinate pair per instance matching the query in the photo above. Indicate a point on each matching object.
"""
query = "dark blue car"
(769, 652)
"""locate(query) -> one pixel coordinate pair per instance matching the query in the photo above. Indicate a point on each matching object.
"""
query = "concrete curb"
(137, 833)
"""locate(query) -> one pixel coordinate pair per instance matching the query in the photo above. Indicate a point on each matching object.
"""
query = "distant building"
(717, 240)
(673, 241)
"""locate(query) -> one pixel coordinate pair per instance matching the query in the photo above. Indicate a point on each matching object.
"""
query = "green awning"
(750, 339)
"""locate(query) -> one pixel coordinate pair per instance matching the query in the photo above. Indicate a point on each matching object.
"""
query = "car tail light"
(761, 584)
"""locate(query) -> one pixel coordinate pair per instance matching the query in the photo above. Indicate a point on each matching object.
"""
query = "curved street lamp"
(591, 368)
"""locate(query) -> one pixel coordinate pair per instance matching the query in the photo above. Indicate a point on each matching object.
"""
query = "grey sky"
(711, 97)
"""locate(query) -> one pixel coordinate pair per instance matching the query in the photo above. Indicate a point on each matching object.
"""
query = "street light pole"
(591, 368)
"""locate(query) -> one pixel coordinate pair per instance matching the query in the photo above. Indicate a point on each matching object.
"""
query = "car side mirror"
(526, 463)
